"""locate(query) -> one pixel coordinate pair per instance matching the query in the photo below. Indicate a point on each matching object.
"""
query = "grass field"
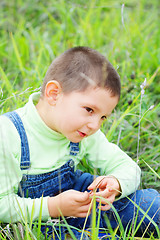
(34, 32)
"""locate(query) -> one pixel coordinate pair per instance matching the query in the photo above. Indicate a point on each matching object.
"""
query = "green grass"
(32, 33)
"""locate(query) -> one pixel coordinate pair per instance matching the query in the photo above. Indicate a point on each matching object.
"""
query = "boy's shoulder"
(9, 136)
(6, 125)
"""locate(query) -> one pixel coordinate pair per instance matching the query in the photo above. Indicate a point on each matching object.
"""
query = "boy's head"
(80, 67)
(80, 90)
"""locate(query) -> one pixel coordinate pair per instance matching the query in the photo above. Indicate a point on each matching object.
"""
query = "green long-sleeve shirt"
(48, 151)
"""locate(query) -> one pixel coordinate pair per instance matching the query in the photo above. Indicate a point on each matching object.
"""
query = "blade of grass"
(6, 82)
(156, 174)
(17, 55)
(94, 229)
(40, 220)
(32, 213)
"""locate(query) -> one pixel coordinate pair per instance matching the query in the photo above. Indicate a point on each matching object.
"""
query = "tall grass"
(127, 32)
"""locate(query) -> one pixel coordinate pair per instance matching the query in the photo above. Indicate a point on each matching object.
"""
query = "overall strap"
(25, 156)
(74, 148)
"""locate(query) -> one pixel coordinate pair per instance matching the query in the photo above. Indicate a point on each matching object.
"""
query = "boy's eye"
(104, 118)
(88, 109)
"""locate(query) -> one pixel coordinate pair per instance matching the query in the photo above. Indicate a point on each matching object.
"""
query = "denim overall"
(65, 178)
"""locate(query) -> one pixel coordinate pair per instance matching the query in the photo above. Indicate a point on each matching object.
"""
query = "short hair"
(80, 67)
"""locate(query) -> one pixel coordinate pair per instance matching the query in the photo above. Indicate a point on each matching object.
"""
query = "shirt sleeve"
(111, 160)
(12, 207)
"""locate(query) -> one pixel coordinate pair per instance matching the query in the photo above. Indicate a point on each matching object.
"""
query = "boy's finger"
(86, 208)
(92, 185)
(105, 208)
(105, 193)
(96, 183)
(83, 197)
(107, 201)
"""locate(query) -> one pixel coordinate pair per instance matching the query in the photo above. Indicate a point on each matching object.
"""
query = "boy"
(43, 142)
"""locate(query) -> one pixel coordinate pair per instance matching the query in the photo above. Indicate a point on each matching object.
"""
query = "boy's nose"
(94, 125)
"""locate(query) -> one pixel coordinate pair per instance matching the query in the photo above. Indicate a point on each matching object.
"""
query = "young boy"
(42, 143)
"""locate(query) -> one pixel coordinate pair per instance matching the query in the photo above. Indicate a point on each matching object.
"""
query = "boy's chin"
(74, 139)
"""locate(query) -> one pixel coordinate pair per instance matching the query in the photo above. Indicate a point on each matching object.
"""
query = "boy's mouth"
(82, 134)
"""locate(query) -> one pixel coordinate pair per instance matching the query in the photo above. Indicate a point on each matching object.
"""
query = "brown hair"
(80, 67)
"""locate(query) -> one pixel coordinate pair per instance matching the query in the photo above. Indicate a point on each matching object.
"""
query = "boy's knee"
(149, 201)
(153, 192)
(147, 195)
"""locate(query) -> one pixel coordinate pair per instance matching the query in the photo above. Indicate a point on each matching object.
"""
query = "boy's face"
(80, 114)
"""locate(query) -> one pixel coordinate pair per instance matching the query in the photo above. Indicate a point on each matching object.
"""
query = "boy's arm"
(15, 209)
(112, 161)
(12, 207)
(70, 203)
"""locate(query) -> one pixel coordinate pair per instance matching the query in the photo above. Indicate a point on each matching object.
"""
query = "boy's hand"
(69, 203)
(109, 188)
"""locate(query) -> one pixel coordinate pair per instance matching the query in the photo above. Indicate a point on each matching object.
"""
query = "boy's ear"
(52, 91)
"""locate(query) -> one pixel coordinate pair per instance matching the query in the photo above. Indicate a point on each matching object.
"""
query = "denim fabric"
(65, 178)
(48, 184)
(132, 210)
(25, 156)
